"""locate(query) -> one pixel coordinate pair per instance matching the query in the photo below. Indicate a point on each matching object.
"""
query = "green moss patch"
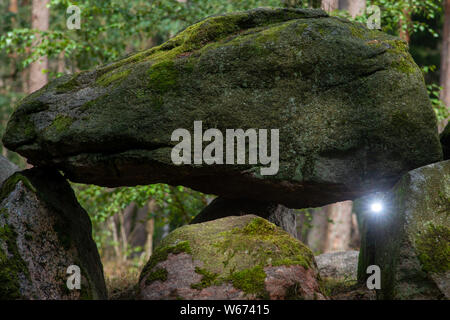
(11, 264)
(403, 61)
(157, 274)
(251, 281)
(61, 123)
(69, 85)
(113, 76)
(9, 185)
(162, 76)
(208, 279)
(160, 254)
(433, 248)
(267, 244)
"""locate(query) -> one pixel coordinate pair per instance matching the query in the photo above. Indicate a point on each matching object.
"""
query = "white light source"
(376, 207)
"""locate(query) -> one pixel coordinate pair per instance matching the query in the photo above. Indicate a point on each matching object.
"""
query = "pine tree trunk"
(404, 33)
(445, 60)
(317, 235)
(150, 228)
(329, 5)
(355, 7)
(339, 231)
(39, 20)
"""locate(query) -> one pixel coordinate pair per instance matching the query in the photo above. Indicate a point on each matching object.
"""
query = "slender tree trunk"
(340, 229)
(40, 15)
(113, 227)
(123, 236)
(445, 60)
(404, 33)
(317, 234)
(329, 5)
(61, 62)
(150, 228)
(355, 242)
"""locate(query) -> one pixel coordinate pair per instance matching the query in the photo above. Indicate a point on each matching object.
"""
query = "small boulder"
(338, 265)
(410, 238)
(237, 257)
(43, 231)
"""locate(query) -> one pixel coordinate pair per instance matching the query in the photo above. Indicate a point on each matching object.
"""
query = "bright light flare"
(376, 207)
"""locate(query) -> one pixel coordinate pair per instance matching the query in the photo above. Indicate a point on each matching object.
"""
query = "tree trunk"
(329, 5)
(404, 33)
(150, 228)
(340, 229)
(61, 62)
(39, 20)
(445, 61)
(317, 234)
(354, 7)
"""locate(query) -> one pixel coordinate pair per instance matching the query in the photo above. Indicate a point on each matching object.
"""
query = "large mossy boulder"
(350, 105)
(410, 239)
(43, 231)
(244, 257)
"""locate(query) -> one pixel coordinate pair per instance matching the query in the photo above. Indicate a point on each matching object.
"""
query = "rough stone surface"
(445, 141)
(350, 103)
(410, 239)
(243, 257)
(222, 207)
(7, 168)
(43, 231)
(338, 265)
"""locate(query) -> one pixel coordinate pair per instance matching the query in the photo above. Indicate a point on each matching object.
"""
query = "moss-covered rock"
(43, 231)
(350, 104)
(243, 257)
(410, 239)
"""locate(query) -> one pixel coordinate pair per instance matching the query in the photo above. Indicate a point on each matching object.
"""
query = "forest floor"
(121, 280)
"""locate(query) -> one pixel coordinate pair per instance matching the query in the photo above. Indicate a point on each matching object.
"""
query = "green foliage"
(176, 206)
